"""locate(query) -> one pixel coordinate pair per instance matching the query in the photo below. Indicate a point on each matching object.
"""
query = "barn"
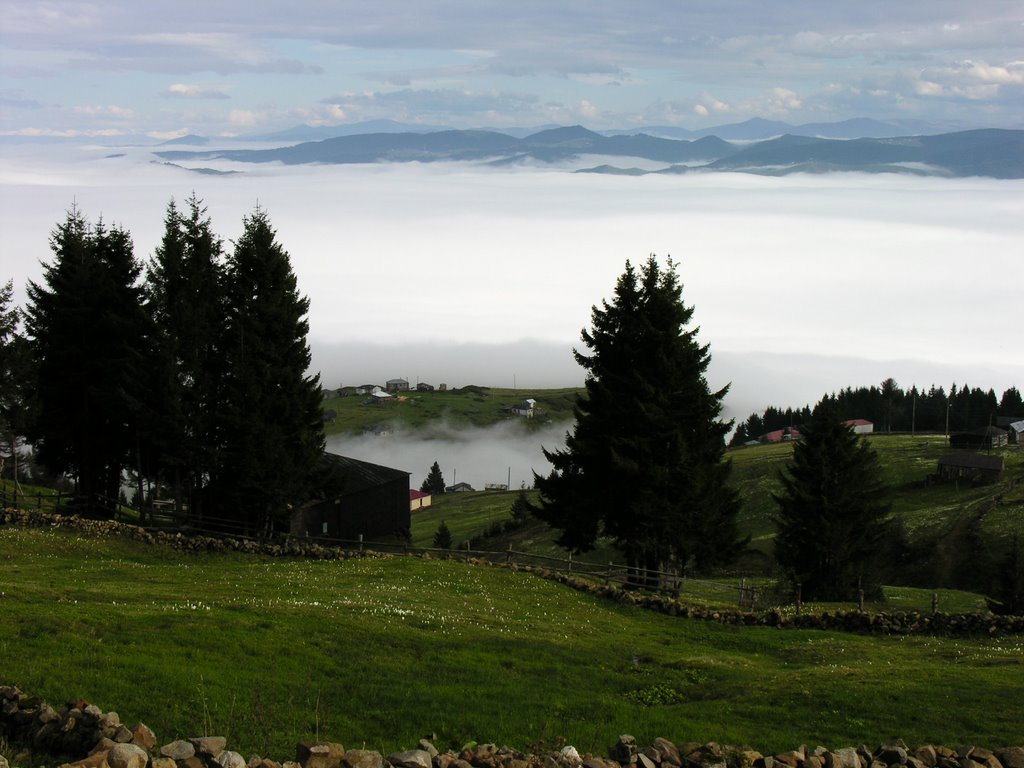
(972, 467)
(355, 498)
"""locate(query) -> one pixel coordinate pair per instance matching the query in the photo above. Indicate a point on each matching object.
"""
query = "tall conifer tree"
(832, 518)
(184, 296)
(88, 334)
(272, 428)
(644, 463)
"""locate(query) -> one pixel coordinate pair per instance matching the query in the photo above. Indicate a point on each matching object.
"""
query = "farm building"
(979, 439)
(526, 409)
(781, 435)
(860, 426)
(1017, 431)
(459, 488)
(355, 498)
(418, 500)
(972, 467)
(396, 385)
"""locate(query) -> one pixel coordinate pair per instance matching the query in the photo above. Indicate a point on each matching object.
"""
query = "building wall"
(375, 512)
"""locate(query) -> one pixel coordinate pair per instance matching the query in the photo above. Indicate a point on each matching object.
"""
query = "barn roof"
(359, 475)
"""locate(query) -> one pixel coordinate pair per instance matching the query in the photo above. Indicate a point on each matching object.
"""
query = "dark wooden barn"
(972, 467)
(979, 439)
(355, 498)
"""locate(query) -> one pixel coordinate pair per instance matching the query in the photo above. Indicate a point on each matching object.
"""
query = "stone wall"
(894, 622)
(87, 737)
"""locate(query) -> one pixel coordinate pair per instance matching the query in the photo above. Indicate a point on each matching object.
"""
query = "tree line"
(186, 373)
(894, 409)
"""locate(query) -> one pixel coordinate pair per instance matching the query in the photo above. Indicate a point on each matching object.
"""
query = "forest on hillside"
(894, 409)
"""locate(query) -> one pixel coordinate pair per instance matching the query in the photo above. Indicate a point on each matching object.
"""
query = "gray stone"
(122, 735)
(847, 757)
(363, 758)
(178, 750)
(229, 759)
(643, 761)
(209, 745)
(669, 752)
(624, 750)
(413, 758)
(143, 737)
(927, 755)
(1011, 757)
(892, 752)
(427, 747)
(162, 762)
(319, 754)
(125, 755)
(48, 714)
(569, 756)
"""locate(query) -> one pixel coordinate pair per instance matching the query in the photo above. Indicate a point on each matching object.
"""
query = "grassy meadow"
(466, 406)
(381, 652)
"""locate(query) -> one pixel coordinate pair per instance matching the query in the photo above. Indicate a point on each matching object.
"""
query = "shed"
(354, 498)
(1017, 431)
(459, 488)
(860, 426)
(973, 467)
(989, 437)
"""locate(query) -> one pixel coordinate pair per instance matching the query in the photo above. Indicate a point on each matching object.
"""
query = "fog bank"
(474, 455)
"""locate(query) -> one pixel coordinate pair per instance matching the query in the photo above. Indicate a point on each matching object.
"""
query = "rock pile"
(92, 738)
(886, 622)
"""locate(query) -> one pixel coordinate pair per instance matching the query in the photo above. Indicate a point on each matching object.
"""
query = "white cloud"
(109, 111)
(196, 91)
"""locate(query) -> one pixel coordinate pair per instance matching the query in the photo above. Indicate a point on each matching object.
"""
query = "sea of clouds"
(468, 275)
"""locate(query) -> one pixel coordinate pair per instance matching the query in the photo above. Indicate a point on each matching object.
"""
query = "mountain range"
(997, 153)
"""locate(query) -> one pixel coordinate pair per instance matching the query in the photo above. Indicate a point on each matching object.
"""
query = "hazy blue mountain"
(300, 133)
(191, 140)
(757, 128)
(990, 152)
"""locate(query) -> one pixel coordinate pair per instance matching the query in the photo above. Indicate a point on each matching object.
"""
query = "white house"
(526, 409)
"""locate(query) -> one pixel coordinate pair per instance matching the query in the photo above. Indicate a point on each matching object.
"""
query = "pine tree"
(272, 429)
(88, 334)
(442, 537)
(184, 296)
(15, 379)
(434, 482)
(832, 524)
(644, 462)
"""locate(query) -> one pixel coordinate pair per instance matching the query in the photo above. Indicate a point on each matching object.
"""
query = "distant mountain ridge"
(998, 153)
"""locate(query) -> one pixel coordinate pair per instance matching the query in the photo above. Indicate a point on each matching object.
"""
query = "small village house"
(418, 500)
(396, 385)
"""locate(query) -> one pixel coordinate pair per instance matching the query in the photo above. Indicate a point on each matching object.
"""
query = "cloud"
(195, 91)
(109, 111)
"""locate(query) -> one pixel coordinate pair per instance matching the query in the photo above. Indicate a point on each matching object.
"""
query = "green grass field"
(381, 652)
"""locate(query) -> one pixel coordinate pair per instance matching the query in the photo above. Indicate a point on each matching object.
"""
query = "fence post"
(935, 602)
(360, 542)
(860, 600)
(508, 555)
(570, 561)
(743, 593)
(799, 598)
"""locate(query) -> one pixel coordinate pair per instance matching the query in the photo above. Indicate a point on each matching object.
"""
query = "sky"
(124, 68)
